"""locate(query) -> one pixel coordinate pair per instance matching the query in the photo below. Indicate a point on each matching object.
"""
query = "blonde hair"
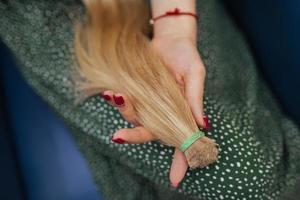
(113, 53)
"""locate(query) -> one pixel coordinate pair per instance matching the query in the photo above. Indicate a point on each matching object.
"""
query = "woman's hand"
(181, 56)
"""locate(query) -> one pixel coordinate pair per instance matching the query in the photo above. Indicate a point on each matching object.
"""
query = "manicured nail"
(105, 96)
(118, 140)
(206, 123)
(118, 100)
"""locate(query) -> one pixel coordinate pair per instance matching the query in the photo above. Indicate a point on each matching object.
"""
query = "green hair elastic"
(190, 140)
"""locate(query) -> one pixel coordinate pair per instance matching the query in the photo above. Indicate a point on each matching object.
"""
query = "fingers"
(127, 135)
(178, 168)
(123, 104)
(112, 99)
(141, 135)
(194, 89)
(126, 108)
(132, 135)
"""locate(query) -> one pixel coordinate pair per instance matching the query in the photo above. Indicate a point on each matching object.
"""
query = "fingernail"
(174, 185)
(206, 123)
(105, 96)
(118, 100)
(118, 140)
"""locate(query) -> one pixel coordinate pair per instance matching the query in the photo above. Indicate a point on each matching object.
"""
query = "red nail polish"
(206, 123)
(118, 100)
(105, 96)
(118, 140)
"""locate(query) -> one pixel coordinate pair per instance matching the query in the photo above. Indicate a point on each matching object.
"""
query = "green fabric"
(190, 140)
(259, 145)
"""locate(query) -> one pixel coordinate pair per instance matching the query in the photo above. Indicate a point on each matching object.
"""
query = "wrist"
(181, 27)
(175, 23)
(168, 41)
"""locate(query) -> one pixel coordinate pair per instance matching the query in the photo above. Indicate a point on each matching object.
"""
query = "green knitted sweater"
(260, 146)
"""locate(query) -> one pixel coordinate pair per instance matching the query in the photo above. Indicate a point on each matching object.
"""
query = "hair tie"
(190, 140)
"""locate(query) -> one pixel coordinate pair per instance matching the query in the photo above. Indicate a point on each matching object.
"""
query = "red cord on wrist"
(175, 12)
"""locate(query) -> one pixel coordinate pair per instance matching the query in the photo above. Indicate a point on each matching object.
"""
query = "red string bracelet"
(175, 12)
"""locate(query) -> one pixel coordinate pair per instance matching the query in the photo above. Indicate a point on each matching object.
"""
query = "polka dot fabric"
(259, 146)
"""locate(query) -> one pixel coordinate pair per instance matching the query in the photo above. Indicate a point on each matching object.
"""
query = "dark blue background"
(272, 28)
(40, 159)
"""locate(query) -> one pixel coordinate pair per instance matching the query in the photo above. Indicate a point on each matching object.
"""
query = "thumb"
(194, 89)
(178, 168)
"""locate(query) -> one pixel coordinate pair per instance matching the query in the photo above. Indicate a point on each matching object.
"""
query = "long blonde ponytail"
(113, 53)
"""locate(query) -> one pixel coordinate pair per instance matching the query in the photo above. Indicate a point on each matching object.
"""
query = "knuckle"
(200, 70)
